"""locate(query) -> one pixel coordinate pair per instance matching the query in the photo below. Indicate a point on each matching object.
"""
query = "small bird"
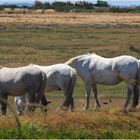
(105, 103)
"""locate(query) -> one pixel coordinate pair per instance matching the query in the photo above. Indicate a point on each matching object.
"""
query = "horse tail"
(136, 96)
(42, 87)
(136, 87)
(138, 74)
(73, 77)
(72, 81)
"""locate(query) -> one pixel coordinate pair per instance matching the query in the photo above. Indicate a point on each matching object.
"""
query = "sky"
(112, 2)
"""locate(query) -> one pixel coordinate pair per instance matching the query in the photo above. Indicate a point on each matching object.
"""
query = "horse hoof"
(61, 108)
(64, 108)
(3, 114)
(124, 110)
(58, 109)
(45, 111)
(132, 109)
(97, 107)
(20, 113)
(85, 109)
(71, 110)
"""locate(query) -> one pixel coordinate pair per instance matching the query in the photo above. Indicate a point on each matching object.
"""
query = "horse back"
(19, 80)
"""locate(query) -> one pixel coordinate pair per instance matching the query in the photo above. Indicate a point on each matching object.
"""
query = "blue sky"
(112, 2)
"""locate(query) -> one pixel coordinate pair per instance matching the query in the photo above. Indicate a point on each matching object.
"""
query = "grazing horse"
(94, 69)
(19, 81)
(59, 77)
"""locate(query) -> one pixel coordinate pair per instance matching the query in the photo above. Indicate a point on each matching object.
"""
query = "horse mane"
(77, 57)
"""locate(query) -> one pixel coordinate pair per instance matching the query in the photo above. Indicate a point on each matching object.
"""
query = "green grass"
(24, 44)
(21, 45)
(32, 131)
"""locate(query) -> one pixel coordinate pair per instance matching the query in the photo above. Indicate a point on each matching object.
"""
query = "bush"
(47, 5)
(38, 5)
(101, 3)
(1, 8)
(84, 4)
(63, 6)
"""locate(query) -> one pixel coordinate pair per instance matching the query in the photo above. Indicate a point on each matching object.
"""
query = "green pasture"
(50, 44)
(45, 45)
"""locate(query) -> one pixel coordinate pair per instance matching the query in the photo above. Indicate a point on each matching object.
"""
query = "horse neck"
(77, 63)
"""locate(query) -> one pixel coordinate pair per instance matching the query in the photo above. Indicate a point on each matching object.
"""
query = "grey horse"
(19, 81)
(59, 77)
(94, 69)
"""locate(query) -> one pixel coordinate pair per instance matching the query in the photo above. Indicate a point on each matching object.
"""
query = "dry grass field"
(54, 38)
(71, 18)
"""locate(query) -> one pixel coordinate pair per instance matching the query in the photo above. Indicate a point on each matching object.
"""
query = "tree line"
(80, 6)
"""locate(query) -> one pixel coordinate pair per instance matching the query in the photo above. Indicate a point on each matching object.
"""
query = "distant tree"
(101, 3)
(124, 9)
(47, 5)
(63, 6)
(1, 7)
(38, 5)
(26, 7)
(137, 9)
(84, 4)
(13, 6)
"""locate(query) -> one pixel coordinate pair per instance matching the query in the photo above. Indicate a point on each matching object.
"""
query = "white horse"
(94, 69)
(59, 77)
(19, 81)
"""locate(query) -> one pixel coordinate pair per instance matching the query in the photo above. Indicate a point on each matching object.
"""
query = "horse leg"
(44, 102)
(94, 88)
(41, 88)
(70, 90)
(69, 101)
(20, 103)
(88, 89)
(130, 91)
(64, 86)
(135, 97)
(3, 105)
(72, 104)
(66, 102)
(31, 101)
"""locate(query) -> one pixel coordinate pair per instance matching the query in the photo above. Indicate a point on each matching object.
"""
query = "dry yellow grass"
(83, 120)
(71, 18)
